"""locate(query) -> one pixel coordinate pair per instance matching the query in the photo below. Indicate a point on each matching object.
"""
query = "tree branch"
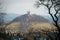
(51, 15)
(56, 16)
(49, 10)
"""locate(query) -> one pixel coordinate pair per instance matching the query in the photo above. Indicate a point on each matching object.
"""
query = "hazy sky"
(22, 6)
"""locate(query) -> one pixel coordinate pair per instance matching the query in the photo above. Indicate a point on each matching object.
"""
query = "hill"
(30, 18)
(28, 21)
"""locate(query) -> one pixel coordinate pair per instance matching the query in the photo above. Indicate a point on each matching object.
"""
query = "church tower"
(28, 13)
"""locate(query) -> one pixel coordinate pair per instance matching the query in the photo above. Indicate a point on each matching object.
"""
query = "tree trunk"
(58, 35)
(56, 24)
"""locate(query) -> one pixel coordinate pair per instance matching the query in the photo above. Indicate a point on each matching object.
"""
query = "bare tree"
(49, 4)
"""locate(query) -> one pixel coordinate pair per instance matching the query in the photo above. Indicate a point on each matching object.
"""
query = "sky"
(22, 6)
